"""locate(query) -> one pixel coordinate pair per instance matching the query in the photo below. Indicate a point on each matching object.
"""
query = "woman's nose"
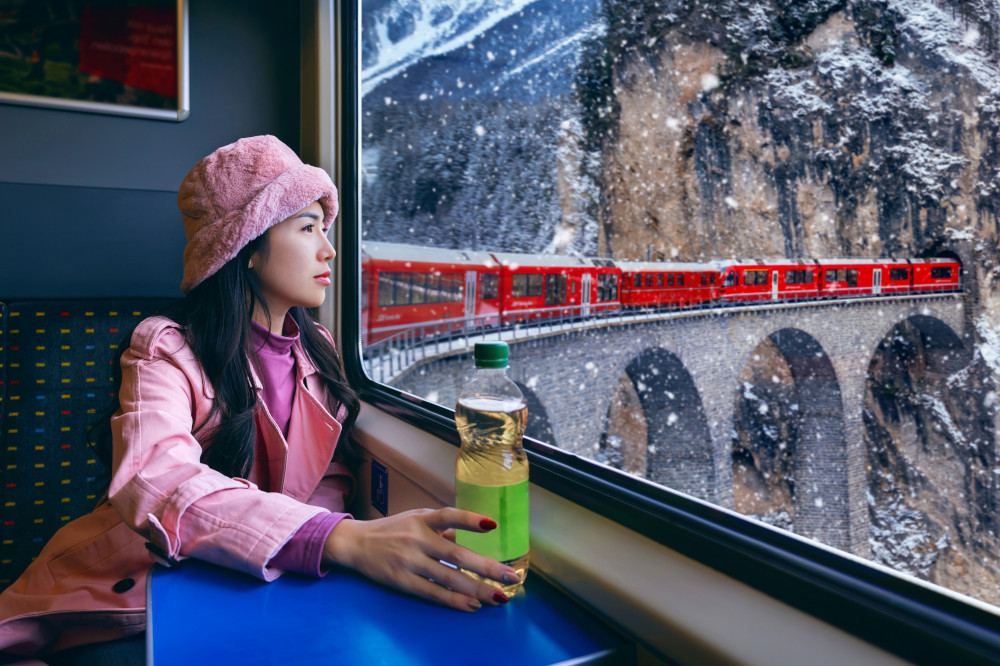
(327, 250)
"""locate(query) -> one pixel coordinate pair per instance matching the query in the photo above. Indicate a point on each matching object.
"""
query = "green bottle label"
(508, 505)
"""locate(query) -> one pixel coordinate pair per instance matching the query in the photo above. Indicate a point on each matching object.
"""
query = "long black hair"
(215, 317)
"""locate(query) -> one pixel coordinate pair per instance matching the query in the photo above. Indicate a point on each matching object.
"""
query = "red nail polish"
(487, 524)
(500, 597)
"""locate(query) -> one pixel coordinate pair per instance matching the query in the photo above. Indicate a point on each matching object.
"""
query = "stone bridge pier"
(679, 379)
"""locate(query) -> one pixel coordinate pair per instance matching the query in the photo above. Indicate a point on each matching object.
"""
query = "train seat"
(55, 378)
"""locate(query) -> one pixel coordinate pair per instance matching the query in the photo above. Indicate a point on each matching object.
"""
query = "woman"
(226, 439)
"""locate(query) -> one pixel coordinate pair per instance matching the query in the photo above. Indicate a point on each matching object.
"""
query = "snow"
(436, 29)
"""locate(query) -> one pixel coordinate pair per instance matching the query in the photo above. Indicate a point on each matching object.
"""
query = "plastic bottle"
(491, 473)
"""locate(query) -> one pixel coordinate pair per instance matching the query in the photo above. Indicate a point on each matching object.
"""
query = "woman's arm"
(159, 485)
(405, 551)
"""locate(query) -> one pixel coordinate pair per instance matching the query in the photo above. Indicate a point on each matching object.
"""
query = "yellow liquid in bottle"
(492, 462)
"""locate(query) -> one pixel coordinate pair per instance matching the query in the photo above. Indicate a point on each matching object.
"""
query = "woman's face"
(294, 270)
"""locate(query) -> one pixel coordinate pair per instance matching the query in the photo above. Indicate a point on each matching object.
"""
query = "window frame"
(911, 619)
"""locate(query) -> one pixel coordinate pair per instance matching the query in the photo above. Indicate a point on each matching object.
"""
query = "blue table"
(200, 613)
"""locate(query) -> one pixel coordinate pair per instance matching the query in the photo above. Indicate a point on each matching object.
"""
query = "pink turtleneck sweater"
(303, 553)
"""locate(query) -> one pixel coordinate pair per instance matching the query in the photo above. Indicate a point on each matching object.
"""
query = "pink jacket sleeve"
(160, 487)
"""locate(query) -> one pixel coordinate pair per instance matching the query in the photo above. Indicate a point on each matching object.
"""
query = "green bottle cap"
(491, 354)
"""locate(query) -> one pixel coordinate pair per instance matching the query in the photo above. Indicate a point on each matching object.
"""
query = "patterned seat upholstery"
(55, 379)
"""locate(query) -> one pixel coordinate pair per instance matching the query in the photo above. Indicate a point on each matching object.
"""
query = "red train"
(424, 291)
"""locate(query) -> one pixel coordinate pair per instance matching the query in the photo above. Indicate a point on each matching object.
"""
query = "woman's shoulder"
(158, 337)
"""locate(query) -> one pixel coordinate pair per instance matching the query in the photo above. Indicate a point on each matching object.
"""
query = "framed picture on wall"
(123, 57)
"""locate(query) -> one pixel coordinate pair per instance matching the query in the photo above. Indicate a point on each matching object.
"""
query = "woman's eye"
(308, 227)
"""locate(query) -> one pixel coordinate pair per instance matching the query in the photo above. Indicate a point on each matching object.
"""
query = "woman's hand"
(403, 551)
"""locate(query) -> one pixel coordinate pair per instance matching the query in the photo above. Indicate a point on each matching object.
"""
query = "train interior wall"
(88, 201)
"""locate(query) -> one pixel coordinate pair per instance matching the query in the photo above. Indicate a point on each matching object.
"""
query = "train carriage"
(647, 284)
(421, 291)
(765, 280)
(936, 274)
(543, 286)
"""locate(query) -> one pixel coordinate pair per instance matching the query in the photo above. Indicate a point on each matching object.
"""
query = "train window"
(519, 285)
(402, 288)
(941, 272)
(385, 289)
(434, 288)
(607, 287)
(572, 288)
(535, 284)
(489, 286)
(457, 287)
(555, 289)
(529, 129)
(704, 279)
(419, 288)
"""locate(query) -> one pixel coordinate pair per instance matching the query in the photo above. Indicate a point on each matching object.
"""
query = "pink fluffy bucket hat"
(239, 192)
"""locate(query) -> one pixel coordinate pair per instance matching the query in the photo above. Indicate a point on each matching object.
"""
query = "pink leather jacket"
(88, 584)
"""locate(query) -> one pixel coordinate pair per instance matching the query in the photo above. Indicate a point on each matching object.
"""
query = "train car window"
(551, 132)
(704, 279)
(519, 285)
(419, 288)
(385, 289)
(941, 272)
(607, 287)
(489, 286)
(457, 288)
(434, 288)
(402, 288)
(555, 289)
(535, 285)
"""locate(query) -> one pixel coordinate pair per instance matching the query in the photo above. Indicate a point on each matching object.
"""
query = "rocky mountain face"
(826, 128)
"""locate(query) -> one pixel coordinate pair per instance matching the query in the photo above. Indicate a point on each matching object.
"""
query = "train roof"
(727, 263)
(664, 266)
(421, 254)
(519, 260)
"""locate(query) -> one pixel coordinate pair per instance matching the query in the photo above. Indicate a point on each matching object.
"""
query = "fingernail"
(500, 597)
(510, 577)
(487, 524)
(474, 604)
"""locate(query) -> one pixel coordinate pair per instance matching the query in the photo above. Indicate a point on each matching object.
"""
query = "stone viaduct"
(685, 368)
